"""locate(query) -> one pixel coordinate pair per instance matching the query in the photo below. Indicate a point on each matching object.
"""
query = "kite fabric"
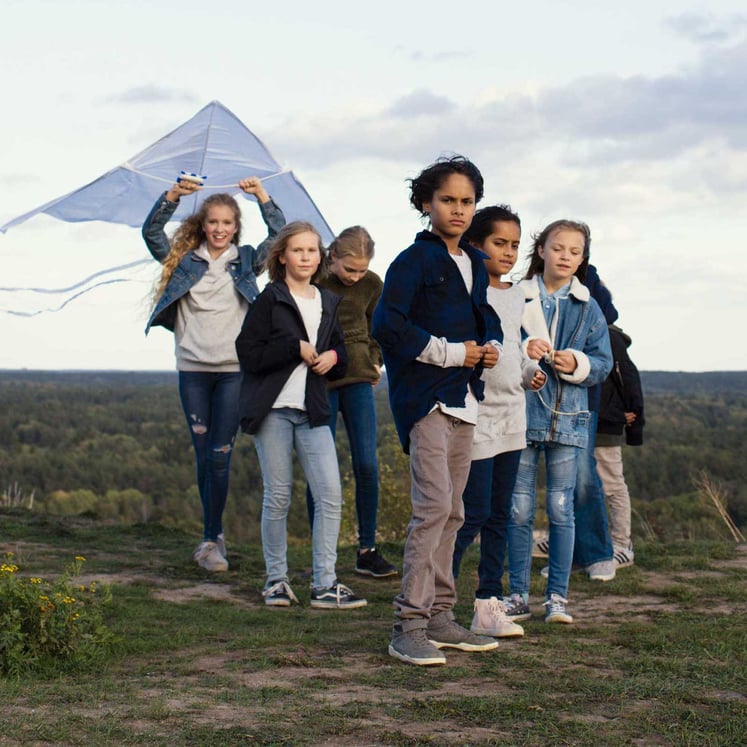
(215, 143)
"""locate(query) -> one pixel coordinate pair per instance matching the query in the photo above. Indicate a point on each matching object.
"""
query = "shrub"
(45, 625)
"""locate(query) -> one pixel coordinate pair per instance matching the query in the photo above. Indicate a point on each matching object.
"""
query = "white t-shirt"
(439, 352)
(293, 394)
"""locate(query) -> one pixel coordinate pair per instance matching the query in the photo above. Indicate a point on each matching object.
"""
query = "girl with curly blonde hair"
(207, 282)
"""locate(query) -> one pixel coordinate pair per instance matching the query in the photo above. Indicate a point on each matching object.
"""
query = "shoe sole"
(519, 618)
(363, 572)
(277, 603)
(496, 634)
(564, 619)
(213, 569)
(431, 661)
(464, 646)
(602, 577)
(334, 606)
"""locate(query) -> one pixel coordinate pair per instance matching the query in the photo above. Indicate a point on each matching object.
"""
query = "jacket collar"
(473, 253)
(578, 290)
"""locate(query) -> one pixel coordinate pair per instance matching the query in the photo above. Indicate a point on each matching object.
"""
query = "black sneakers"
(372, 563)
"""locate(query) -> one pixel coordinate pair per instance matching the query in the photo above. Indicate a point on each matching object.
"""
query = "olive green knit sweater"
(355, 313)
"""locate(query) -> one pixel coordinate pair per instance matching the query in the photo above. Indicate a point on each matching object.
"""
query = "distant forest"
(114, 445)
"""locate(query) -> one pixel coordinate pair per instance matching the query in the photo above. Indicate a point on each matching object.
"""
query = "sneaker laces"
(513, 602)
(283, 586)
(497, 610)
(342, 591)
(556, 603)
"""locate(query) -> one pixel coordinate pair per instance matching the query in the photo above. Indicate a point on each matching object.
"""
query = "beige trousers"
(610, 470)
(440, 458)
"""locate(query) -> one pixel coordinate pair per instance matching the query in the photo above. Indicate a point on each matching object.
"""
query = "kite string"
(130, 167)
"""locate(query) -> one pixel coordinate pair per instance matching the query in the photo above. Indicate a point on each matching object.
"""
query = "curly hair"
(537, 264)
(275, 268)
(190, 235)
(423, 186)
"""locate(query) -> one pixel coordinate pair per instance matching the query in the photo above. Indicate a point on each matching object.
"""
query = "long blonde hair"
(190, 235)
(275, 268)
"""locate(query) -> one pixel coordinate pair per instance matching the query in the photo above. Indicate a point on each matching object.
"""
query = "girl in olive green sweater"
(348, 276)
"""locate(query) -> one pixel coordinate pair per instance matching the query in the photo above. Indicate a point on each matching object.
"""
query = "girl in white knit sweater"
(500, 434)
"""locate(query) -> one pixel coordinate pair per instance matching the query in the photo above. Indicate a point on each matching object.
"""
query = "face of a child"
(219, 227)
(452, 207)
(502, 246)
(301, 257)
(349, 270)
(563, 253)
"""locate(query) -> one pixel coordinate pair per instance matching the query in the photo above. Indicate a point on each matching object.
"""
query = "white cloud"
(152, 94)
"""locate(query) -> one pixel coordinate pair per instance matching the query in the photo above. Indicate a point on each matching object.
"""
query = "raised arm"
(272, 215)
(153, 231)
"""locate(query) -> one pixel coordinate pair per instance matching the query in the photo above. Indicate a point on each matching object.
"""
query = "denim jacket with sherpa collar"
(244, 269)
(559, 412)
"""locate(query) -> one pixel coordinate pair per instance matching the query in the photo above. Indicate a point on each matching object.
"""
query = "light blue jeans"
(560, 464)
(282, 430)
(358, 407)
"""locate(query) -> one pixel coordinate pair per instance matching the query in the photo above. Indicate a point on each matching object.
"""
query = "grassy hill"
(655, 657)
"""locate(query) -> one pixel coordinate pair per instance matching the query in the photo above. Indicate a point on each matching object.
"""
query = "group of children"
(483, 375)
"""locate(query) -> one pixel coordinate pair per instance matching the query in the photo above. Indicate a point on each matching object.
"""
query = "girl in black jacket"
(290, 343)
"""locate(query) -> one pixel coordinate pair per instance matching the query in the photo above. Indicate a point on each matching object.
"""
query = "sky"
(631, 117)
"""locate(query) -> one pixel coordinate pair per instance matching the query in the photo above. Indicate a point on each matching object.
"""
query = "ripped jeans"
(211, 406)
(561, 464)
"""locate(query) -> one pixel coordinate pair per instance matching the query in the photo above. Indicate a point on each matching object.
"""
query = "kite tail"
(78, 289)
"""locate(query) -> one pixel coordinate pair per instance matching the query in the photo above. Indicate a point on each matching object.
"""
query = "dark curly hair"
(423, 186)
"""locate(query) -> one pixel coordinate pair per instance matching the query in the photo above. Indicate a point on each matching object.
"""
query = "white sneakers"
(208, 556)
(490, 619)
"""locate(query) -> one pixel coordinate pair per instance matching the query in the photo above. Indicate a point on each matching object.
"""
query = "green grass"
(655, 657)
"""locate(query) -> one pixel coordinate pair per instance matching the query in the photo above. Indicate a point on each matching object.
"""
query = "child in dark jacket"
(290, 343)
(437, 331)
(621, 410)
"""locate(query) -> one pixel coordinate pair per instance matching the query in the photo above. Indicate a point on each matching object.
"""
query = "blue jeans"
(593, 541)
(283, 429)
(356, 403)
(487, 510)
(561, 466)
(211, 406)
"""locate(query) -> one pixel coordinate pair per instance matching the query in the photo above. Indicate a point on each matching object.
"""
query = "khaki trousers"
(610, 469)
(440, 458)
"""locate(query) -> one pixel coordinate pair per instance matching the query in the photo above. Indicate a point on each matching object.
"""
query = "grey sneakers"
(443, 632)
(413, 647)
(420, 646)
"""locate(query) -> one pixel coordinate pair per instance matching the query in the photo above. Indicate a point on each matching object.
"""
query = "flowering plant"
(46, 623)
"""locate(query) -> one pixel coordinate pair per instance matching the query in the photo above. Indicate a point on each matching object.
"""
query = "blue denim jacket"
(559, 412)
(244, 269)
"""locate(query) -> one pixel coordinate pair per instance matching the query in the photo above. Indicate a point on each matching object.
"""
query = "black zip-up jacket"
(621, 392)
(268, 352)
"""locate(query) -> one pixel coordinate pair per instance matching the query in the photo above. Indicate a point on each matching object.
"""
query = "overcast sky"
(629, 116)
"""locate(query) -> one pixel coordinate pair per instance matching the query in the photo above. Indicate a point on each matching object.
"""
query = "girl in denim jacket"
(567, 332)
(207, 282)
